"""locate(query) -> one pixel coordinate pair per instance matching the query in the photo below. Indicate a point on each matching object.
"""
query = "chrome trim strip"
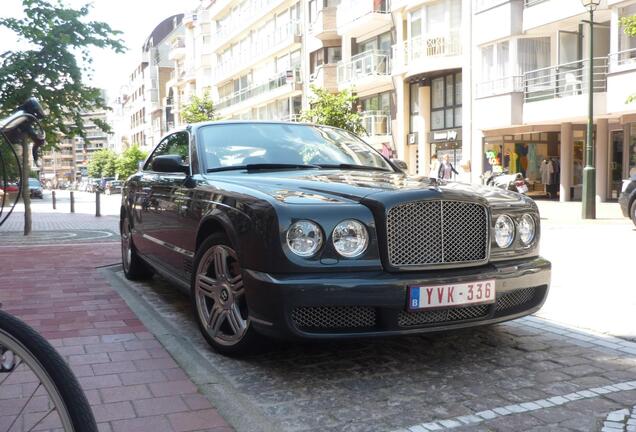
(169, 246)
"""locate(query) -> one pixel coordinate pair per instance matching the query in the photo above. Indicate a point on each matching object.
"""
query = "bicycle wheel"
(37, 387)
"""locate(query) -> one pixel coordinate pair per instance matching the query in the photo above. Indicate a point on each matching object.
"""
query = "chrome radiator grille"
(424, 233)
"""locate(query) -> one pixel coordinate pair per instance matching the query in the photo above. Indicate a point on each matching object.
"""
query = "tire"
(218, 302)
(632, 211)
(135, 268)
(44, 359)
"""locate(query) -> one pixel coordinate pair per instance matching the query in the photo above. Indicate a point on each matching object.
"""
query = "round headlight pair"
(505, 230)
(349, 238)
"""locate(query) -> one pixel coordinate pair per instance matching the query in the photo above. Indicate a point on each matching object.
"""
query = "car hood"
(337, 186)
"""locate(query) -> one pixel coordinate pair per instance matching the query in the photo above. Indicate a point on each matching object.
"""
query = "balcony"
(273, 88)
(429, 52)
(324, 26)
(325, 76)
(620, 80)
(281, 38)
(551, 92)
(240, 21)
(177, 49)
(539, 13)
(295, 118)
(376, 123)
(499, 103)
(507, 14)
(357, 17)
(365, 70)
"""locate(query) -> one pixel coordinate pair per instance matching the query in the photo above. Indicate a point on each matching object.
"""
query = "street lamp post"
(589, 172)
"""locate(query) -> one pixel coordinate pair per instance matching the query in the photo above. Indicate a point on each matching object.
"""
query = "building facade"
(69, 162)
(493, 84)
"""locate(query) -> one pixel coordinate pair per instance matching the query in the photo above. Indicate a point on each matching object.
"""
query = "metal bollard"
(53, 199)
(97, 207)
(72, 202)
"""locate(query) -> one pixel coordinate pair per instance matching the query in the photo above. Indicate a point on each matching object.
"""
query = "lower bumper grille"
(334, 317)
(407, 319)
(515, 298)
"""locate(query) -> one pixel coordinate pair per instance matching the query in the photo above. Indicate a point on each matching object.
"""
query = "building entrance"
(616, 163)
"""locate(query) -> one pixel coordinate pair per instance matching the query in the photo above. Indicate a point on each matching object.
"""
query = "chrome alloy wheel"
(126, 245)
(220, 296)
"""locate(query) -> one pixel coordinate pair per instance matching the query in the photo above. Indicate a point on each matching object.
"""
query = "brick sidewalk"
(130, 379)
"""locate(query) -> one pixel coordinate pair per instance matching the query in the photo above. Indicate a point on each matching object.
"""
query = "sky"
(135, 18)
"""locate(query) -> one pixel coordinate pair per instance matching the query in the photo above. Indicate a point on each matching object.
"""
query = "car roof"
(194, 126)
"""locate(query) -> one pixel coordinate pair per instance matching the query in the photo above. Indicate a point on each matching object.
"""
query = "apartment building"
(531, 92)
(143, 98)
(70, 160)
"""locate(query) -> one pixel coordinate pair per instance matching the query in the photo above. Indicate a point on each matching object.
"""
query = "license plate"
(522, 188)
(430, 297)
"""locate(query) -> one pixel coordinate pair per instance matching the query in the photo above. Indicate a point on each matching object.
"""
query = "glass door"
(616, 163)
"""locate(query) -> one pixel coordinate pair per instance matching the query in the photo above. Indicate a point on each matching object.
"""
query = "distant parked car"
(10, 188)
(35, 188)
(627, 198)
(113, 187)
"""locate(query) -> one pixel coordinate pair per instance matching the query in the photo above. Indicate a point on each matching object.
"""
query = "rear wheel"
(632, 211)
(218, 299)
(134, 267)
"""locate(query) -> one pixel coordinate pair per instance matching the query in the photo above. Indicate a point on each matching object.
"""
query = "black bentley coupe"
(303, 231)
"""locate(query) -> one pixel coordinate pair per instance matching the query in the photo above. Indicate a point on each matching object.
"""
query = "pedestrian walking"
(434, 167)
(446, 169)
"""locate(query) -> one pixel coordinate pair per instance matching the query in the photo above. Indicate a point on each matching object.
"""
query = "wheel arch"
(215, 224)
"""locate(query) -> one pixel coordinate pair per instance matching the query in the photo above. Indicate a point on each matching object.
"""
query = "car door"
(168, 196)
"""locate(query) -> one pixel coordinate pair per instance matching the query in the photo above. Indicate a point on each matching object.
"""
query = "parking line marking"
(535, 405)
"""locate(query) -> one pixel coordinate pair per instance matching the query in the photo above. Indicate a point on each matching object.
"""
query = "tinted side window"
(175, 144)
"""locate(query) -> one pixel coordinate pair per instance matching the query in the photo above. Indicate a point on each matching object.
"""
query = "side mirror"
(168, 164)
(400, 164)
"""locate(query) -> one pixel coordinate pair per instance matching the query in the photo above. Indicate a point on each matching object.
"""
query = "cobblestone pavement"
(131, 381)
(523, 375)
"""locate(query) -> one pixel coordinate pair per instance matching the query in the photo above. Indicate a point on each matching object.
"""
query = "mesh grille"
(437, 232)
(334, 317)
(406, 319)
(515, 298)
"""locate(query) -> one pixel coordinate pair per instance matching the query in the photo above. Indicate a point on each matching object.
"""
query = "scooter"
(512, 182)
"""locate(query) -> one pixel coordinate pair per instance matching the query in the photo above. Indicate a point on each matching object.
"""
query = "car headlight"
(504, 231)
(350, 238)
(527, 229)
(304, 238)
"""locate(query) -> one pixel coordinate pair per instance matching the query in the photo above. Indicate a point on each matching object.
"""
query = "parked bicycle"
(44, 393)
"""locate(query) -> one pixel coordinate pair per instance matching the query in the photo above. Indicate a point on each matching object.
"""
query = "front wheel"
(49, 396)
(632, 211)
(218, 299)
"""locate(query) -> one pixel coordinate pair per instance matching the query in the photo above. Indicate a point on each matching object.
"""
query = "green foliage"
(629, 28)
(199, 109)
(128, 162)
(9, 164)
(102, 164)
(338, 110)
(52, 68)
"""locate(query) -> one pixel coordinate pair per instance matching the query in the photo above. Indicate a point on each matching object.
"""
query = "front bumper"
(375, 302)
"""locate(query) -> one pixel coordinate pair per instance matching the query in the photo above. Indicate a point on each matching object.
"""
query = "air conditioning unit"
(411, 138)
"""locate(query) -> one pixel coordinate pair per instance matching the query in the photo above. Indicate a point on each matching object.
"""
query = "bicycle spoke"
(15, 367)
(42, 418)
(24, 406)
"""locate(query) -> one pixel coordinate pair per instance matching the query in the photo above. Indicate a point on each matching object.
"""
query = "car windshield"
(281, 144)
(34, 182)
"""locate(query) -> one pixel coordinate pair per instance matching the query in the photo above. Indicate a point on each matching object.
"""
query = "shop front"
(447, 143)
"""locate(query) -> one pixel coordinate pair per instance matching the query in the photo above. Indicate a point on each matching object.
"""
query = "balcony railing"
(509, 84)
(368, 63)
(429, 46)
(258, 89)
(622, 60)
(376, 123)
(259, 49)
(240, 20)
(568, 79)
(351, 10)
(292, 118)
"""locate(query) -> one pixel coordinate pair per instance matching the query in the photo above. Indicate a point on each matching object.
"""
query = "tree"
(334, 109)
(102, 164)
(629, 28)
(128, 162)
(199, 109)
(50, 70)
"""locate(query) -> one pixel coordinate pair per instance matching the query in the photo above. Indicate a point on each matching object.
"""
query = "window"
(329, 55)
(446, 101)
(625, 42)
(381, 42)
(533, 53)
(175, 144)
(377, 102)
(495, 61)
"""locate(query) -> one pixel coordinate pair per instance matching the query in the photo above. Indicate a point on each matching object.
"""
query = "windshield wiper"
(263, 166)
(354, 167)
